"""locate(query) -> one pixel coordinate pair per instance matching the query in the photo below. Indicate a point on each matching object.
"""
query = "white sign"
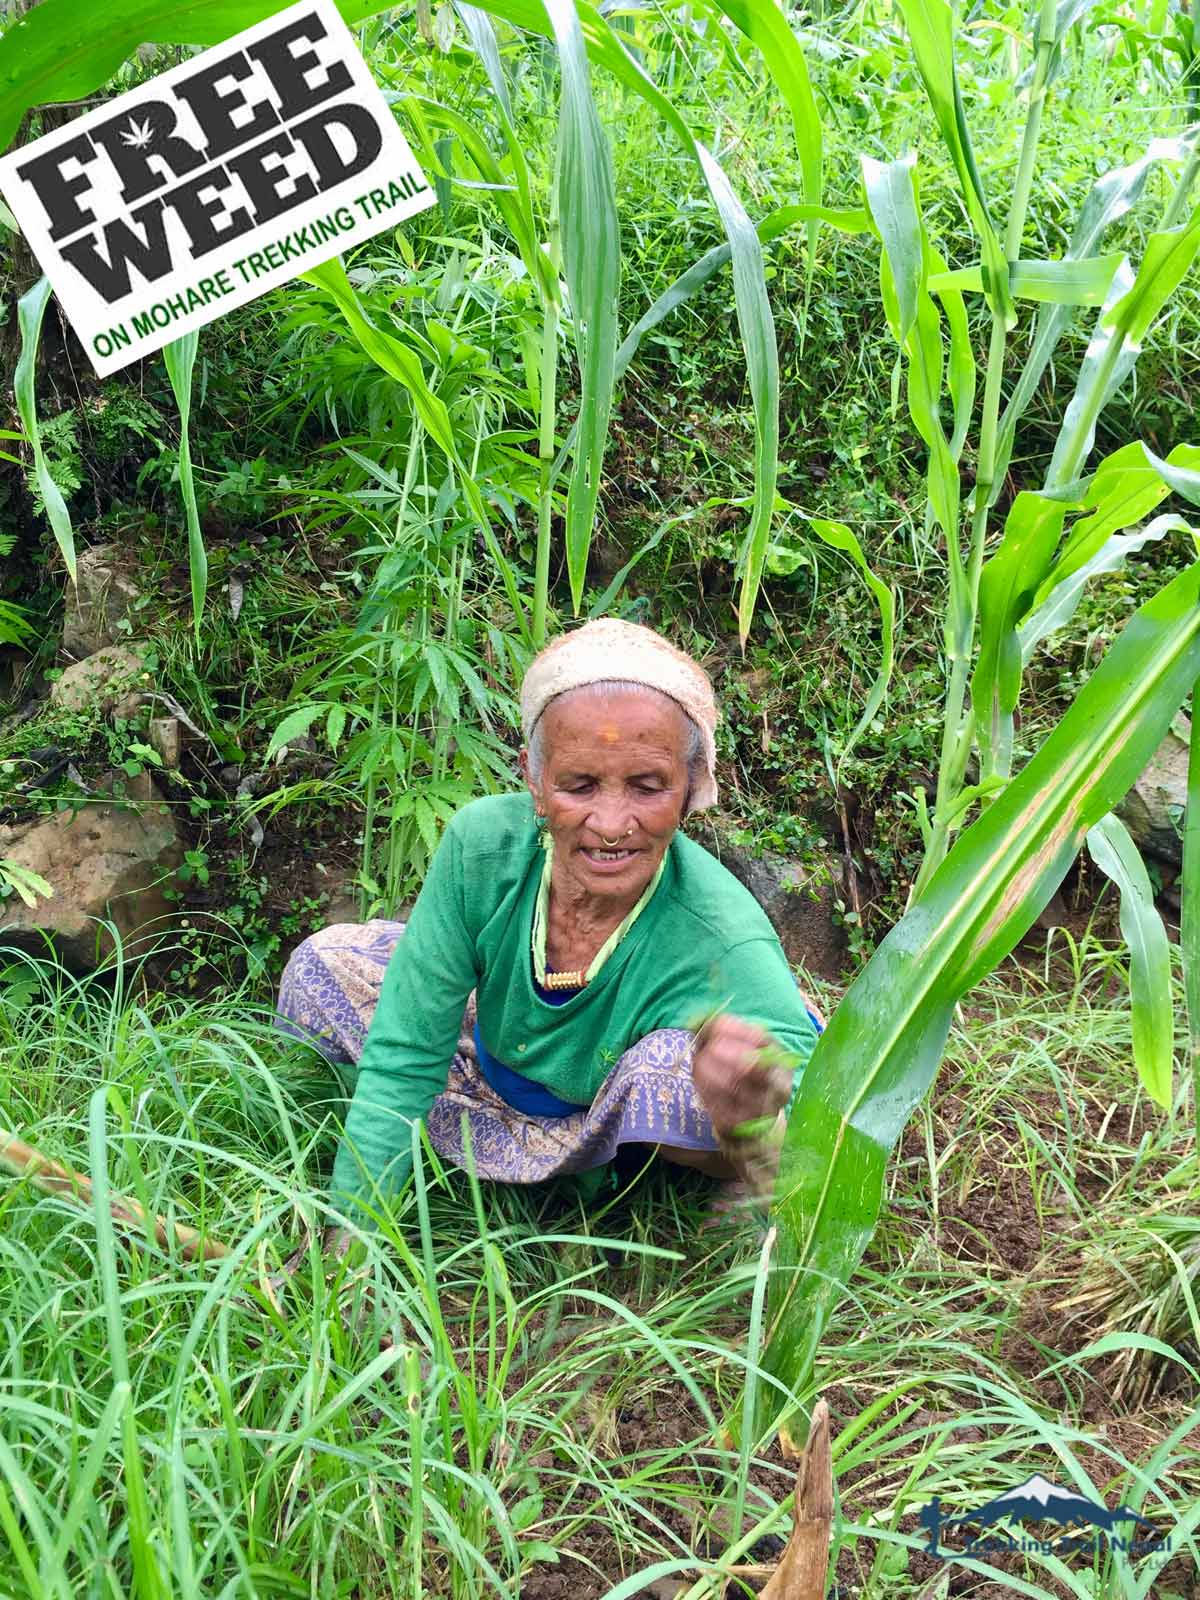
(213, 183)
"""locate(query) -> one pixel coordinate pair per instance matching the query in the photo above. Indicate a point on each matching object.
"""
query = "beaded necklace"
(578, 978)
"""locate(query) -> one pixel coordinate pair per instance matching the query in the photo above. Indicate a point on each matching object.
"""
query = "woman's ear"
(529, 783)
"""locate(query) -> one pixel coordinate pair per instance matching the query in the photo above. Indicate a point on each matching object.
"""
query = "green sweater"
(700, 942)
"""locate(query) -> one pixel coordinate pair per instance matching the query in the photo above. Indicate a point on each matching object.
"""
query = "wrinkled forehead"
(612, 720)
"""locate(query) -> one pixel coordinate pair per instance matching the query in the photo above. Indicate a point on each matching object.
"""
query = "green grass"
(496, 1382)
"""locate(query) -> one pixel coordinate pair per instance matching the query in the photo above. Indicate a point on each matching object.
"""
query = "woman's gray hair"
(609, 689)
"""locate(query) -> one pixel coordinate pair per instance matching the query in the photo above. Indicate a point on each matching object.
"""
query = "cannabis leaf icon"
(137, 135)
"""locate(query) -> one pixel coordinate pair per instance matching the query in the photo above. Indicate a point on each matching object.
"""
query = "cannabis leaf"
(137, 135)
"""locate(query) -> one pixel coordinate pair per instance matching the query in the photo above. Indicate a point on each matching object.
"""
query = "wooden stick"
(51, 1177)
(801, 1573)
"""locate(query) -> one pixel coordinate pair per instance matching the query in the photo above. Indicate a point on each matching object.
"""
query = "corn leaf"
(1165, 263)
(880, 1052)
(1108, 200)
(1126, 487)
(916, 326)
(179, 358)
(757, 328)
(591, 248)
(1115, 853)
(1063, 283)
(960, 367)
(1007, 585)
(31, 308)
(930, 25)
(766, 26)
(1063, 598)
(1115, 345)
(64, 49)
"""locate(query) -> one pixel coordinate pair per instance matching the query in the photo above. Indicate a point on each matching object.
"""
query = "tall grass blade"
(839, 537)
(399, 362)
(591, 251)
(179, 358)
(881, 1050)
(930, 25)
(31, 308)
(147, 1580)
(1115, 853)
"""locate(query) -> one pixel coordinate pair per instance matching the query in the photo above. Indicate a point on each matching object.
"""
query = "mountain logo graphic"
(1035, 1500)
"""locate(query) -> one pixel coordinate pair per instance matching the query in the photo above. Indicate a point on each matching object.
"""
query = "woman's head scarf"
(611, 650)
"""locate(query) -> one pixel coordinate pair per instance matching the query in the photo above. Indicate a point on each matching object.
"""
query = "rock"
(1153, 808)
(798, 901)
(100, 600)
(105, 680)
(104, 861)
(166, 736)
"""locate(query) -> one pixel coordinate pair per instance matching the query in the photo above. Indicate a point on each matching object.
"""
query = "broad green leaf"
(293, 725)
(26, 883)
(930, 25)
(64, 49)
(880, 1052)
(891, 195)
(591, 249)
(839, 536)
(765, 23)
(1126, 487)
(1165, 263)
(31, 308)
(1129, 310)
(1007, 585)
(1064, 283)
(1115, 853)
(891, 199)
(1108, 200)
(179, 358)
(1062, 599)
(757, 328)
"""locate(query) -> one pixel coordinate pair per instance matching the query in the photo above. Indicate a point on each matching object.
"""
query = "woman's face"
(614, 768)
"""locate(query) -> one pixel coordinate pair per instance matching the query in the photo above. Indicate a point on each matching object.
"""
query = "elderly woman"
(563, 950)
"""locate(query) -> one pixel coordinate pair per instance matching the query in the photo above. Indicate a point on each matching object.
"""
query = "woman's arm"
(406, 1058)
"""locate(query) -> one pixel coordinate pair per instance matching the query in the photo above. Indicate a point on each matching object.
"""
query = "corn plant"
(982, 886)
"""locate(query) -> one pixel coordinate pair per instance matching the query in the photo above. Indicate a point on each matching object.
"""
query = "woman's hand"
(743, 1096)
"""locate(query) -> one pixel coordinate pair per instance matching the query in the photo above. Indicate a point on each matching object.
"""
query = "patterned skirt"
(328, 995)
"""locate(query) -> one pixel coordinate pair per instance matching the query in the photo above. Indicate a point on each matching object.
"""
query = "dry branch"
(53, 1178)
